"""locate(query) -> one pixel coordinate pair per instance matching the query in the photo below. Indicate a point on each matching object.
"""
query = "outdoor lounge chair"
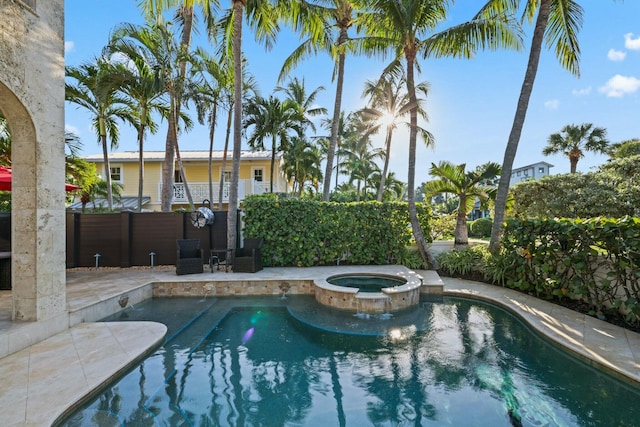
(190, 258)
(248, 259)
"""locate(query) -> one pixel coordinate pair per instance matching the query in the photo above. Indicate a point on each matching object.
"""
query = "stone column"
(32, 101)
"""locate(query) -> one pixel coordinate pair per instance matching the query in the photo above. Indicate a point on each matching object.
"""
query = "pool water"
(366, 283)
(248, 362)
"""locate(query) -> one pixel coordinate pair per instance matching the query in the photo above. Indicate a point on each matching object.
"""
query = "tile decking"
(44, 379)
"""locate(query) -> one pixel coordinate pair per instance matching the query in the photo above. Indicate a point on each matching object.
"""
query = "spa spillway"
(368, 292)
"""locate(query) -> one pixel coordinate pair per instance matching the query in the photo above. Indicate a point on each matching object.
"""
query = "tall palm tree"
(325, 25)
(212, 91)
(145, 91)
(574, 140)
(153, 10)
(389, 103)
(94, 87)
(415, 27)
(296, 91)
(263, 16)
(466, 185)
(557, 25)
(275, 119)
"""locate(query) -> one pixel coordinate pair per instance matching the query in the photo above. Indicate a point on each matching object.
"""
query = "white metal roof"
(185, 155)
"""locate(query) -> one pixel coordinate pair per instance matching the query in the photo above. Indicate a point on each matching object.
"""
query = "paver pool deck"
(44, 379)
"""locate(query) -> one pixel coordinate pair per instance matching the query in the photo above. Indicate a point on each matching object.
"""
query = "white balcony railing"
(200, 190)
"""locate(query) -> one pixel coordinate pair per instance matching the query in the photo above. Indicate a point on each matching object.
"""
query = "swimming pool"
(248, 361)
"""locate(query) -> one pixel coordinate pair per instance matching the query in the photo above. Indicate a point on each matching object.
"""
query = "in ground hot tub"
(369, 292)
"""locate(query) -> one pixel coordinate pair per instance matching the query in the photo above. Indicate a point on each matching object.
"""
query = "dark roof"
(123, 203)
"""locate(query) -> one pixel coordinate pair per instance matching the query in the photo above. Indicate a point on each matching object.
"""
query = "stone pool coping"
(91, 293)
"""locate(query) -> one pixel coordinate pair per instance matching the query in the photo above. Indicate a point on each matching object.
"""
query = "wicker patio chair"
(190, 258)
(248, 259)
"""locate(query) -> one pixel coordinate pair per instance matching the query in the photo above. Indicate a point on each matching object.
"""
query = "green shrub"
(443, 227)
(307, 232)
(481, 227)
(463, 262)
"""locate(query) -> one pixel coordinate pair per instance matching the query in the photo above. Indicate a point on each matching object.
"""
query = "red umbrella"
(5, 181)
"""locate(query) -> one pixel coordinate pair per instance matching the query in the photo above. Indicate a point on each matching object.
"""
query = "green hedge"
(596, 261)
(309, 233)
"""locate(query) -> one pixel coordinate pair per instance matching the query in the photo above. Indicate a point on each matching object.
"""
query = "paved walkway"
(41, 381)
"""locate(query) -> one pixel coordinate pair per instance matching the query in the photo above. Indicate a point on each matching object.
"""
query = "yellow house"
(255, 169)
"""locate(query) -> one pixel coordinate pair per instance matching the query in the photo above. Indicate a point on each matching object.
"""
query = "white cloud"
(618, 86)
(71, 129)
(616, 55)
(552, 104)
(631, 43)
(582, 92)
(68, 46)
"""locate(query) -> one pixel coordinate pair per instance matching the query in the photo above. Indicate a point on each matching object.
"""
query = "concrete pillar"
(32, 101)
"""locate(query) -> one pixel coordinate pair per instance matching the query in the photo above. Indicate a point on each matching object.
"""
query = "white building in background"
(529, 172)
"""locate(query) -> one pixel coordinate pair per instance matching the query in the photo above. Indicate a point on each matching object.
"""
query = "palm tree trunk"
(462, 235)
(518, 123)
(141, 161)
(385, 168)
(168, 164)
(224, 158)
(273, 162)
(413, 136)
(107, 165)
(184, 178)
(212, 128)
(333, 141)
(232, 218)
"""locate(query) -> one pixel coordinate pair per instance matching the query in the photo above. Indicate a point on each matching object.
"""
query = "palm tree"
(301, 164)
(326, 25)
(145, 91)
(389, 103)
(153, 10)
(276, 119)
(573, 140)
(95, 88)
(263, 16)
(296, 91)
(557, 24)
(401, 27)
(359, 154)
(466, 185)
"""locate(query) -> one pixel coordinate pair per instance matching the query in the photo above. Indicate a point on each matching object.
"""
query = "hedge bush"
(309, 233)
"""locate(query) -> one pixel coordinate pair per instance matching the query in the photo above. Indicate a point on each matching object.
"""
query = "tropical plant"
(275, 119)
(144, 90)
(389, 103)
(466, 185)
(176, 67)
(5, 142)
(557, 24)
(324, 26)
(415, 27)
(620, 150)
(296, 92)
(95, 88)
(302, 164)
(574, 140)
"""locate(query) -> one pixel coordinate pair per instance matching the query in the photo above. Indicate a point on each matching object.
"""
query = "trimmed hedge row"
(309, 233)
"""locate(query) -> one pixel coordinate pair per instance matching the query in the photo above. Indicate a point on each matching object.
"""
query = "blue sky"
(471, 103)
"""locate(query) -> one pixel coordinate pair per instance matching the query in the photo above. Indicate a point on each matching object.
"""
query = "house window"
(116, 173)
(177, 176)
(541, 170)
(227, 176)
(519, 173)
(258, 175)
(526, 173)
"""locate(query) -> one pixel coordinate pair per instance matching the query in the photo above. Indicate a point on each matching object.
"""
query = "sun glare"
(387, 120)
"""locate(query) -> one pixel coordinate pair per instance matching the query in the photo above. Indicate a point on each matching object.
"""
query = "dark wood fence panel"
(127, 239)
(154, 232)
